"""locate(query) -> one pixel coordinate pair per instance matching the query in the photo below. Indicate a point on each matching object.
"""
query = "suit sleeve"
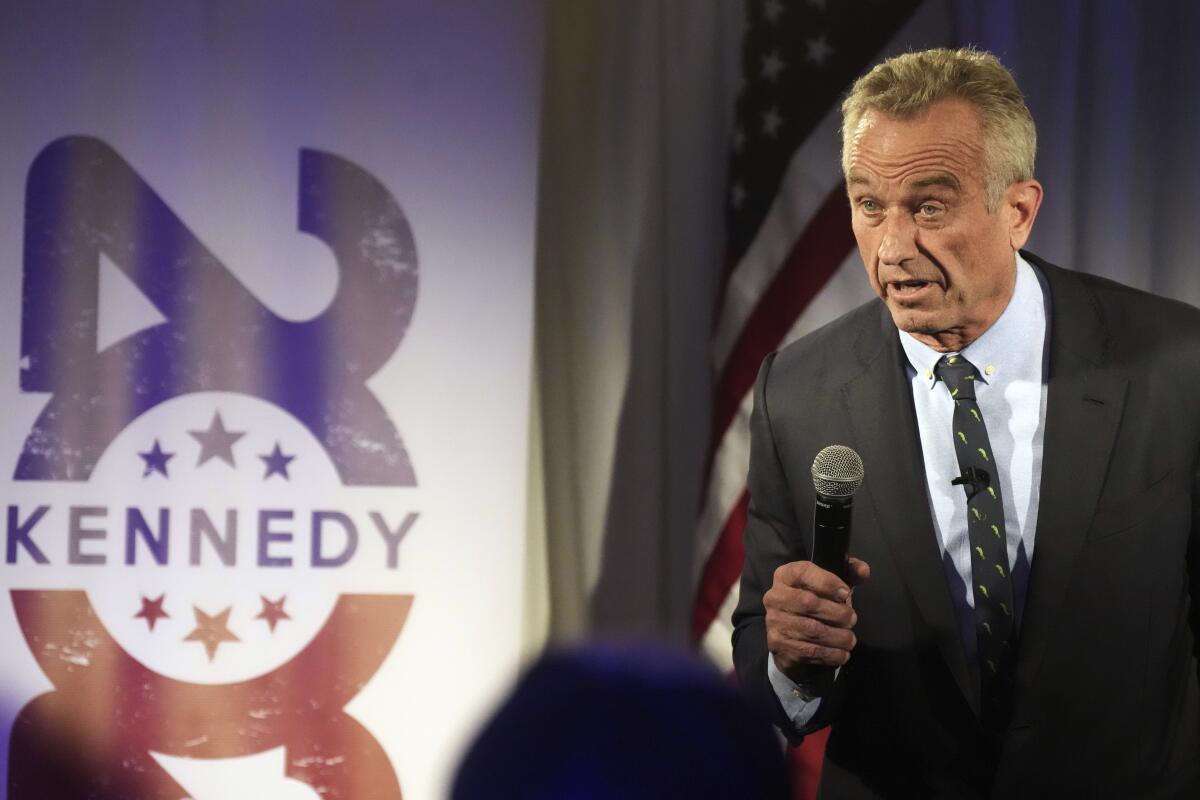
(774, 536)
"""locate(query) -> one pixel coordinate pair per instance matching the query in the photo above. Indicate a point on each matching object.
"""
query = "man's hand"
(810, 616)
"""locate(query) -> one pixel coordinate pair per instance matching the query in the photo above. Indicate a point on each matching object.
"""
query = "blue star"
(156, 460)
(277, 463)
(216, 442)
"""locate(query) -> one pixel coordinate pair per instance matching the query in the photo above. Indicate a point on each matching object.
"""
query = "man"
(1021, 622)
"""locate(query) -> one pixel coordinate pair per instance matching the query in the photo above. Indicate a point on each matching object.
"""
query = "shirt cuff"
(799, 706)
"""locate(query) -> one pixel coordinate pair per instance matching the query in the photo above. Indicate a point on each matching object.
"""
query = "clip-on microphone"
(977, 478)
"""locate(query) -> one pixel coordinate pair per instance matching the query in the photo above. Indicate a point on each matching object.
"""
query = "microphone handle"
(831, 551)
(831, 534)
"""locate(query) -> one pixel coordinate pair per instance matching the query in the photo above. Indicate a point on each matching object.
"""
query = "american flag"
(791, 263)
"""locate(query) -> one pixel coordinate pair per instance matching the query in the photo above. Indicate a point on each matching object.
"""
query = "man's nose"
(899, 242)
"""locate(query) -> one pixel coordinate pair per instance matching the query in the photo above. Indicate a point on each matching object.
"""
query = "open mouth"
(909, 288)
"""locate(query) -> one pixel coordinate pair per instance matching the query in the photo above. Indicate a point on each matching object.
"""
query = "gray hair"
(906, 85)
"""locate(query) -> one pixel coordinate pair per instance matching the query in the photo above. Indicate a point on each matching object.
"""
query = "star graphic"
(277, 463)
(156, 460)
(272, 611)
(818, 50)
(772, 65)
(211, 631)
(737, 195)
(152, 610)
(216, 442)
(771, 122)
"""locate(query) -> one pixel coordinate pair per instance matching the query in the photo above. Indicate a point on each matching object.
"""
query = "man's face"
(940, 260)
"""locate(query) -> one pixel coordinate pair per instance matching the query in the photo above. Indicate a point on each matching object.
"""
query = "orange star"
(152, 610)
(211, 631)
(272, 612)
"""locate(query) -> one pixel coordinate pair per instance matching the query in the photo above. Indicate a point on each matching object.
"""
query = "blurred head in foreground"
(611, 722)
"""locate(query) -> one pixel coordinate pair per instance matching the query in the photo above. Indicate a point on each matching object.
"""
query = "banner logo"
(208, 520)
(102, 749)
(84, 200)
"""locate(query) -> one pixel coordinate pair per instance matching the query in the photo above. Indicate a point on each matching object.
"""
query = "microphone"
(973, 480)
(837, 472)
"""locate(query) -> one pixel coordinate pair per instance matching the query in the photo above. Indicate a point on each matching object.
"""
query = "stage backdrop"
(265, 326)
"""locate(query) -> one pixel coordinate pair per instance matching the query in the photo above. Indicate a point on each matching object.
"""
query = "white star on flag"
(771, 122)
(772, 65)
(818, 50)
(737, 195)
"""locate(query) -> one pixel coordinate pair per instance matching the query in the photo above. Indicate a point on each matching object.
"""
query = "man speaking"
(1022, 621)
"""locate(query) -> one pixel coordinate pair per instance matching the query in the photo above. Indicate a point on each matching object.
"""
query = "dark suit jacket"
(1107, 701)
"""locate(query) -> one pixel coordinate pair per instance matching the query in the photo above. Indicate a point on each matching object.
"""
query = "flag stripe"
(813, 259)
(722, 570)
(813, 171)
(726, 482)
(731, 459)
(717, 640)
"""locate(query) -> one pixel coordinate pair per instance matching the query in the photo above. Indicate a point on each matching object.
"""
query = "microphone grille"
(837, 471)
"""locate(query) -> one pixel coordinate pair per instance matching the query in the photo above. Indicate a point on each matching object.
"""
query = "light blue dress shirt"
(1011, 392)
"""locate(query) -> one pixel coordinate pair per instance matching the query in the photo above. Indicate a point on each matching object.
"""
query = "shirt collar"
(1010, 349)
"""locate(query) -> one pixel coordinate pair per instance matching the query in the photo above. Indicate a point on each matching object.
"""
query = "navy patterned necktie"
(990, 580)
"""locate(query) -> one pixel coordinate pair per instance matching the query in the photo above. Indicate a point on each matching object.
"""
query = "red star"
(211, 631)
(272, 612)
(152, 610)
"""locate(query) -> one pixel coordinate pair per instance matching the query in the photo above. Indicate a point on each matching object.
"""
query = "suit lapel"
(1083, 411)
(896, 490)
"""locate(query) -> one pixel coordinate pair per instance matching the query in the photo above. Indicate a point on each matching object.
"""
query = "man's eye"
(869, 206)
(928, 210)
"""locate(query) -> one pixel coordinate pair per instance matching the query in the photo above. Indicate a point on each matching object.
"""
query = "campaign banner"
(265, 342)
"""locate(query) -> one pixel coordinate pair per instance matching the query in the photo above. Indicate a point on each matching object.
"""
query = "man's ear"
(1021, 201)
